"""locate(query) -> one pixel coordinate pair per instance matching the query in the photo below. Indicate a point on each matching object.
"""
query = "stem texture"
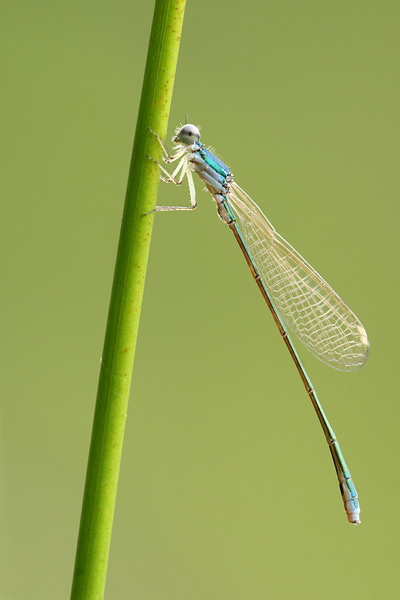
(125, 304)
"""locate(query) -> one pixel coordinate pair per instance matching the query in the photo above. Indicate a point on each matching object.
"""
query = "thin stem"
(125, 304)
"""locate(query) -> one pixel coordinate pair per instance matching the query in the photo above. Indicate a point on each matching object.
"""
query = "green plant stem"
(124, 312)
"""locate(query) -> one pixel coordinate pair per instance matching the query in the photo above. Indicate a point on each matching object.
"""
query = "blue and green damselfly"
(295, 293)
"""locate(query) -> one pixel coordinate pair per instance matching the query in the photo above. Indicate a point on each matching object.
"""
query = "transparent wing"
(306, 303)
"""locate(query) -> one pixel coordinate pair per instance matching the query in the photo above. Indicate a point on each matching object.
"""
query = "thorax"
(212, 171)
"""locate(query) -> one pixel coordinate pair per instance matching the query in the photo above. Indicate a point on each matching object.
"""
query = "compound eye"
(188, 134)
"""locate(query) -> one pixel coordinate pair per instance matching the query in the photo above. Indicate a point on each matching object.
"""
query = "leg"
(167, 158)
(192, 192)
(171, 179)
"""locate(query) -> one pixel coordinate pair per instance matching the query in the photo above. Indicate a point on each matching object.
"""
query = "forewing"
(306, 303)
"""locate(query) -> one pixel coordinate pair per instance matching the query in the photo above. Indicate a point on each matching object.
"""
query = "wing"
(306, 303)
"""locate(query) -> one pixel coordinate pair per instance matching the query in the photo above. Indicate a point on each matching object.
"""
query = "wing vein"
(307, 304)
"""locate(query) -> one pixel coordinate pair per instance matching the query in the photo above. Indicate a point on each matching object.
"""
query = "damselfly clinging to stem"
(295, 294)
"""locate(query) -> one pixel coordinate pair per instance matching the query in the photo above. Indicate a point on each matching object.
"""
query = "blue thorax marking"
(214, 162)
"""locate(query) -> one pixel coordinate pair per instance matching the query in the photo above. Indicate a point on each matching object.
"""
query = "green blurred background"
(227, 488)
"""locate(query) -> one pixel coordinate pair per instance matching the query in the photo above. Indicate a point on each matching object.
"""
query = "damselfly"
(296, 295)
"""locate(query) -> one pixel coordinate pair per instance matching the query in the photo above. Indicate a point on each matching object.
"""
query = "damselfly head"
(187, 135)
